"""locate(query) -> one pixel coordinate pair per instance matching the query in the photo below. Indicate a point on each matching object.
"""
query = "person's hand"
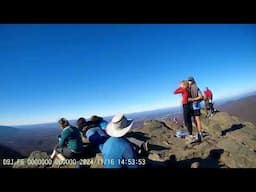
(84, 129)
(190, 99)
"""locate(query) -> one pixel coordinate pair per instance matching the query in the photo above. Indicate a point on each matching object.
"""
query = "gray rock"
(231, 144)
(195, 165)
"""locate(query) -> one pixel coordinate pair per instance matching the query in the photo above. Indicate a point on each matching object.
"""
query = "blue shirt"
(196, 105)
(95, 130)
(116, 153)
(103, 124)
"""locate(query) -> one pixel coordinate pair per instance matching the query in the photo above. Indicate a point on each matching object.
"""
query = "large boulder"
(36, 159)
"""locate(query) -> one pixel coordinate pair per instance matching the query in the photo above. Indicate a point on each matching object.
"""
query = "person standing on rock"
(208, 96)
(183, 89)
(195, 97)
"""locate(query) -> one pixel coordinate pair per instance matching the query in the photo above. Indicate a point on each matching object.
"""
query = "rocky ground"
(231, 143)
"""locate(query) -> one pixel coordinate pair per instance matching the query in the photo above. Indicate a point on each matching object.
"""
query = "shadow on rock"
(232, 128)
(138, 135)
(157, 147)
(212, 161)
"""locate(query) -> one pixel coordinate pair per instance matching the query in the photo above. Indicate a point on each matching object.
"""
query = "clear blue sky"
(50, 71)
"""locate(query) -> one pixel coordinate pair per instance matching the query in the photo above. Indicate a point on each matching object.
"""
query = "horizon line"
(129, 113)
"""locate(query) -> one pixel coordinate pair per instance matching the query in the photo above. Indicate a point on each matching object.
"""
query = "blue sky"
(50, 71)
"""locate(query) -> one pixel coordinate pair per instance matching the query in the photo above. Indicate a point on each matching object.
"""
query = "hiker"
(183, 89)
(99, 121)
(70, 142)
(195, 97)
(82, 125)
(117, 150)
(139, 146)
(208, 96)
(93, 130)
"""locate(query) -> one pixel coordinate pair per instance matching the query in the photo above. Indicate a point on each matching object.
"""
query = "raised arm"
(179, 90)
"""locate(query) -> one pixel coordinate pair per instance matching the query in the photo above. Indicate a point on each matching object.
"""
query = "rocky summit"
(229, 143)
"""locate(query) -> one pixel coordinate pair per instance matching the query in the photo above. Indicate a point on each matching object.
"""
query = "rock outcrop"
(230, 143)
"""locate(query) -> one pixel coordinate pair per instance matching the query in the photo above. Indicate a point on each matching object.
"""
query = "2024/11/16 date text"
(139, 162)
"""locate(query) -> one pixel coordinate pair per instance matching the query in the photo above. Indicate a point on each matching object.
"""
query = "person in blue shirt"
(117, 151)
(94, 130)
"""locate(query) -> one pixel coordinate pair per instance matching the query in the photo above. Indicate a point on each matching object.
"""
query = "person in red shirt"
(208, 93)
(183, 89)
(208, 102)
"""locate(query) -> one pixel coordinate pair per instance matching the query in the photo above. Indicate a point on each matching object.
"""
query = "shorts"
(196, 112)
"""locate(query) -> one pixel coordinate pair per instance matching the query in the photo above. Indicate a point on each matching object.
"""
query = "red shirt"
(184, 93)
(208, 93)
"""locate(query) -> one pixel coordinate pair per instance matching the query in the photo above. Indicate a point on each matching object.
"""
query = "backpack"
(181, 133)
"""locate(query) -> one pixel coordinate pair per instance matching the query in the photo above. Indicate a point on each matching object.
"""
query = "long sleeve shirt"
(117, 153)
(184, 93)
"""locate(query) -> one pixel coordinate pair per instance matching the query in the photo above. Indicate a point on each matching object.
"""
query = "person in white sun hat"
(117, 151)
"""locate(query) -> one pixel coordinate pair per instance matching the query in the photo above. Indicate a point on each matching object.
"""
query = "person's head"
(119, 126)
(96, 119)
(81, 122)
(191, 80)
(184, 84)
(63, 123)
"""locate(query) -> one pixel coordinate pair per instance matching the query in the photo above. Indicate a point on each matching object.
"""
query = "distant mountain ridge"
(6, 130)
(138, 116)
(244, 107)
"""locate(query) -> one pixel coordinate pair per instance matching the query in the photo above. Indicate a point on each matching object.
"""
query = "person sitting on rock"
(117, 151)
(70, 142)
(99, 121)
(140, 146)
(93, 130)
(82, 126)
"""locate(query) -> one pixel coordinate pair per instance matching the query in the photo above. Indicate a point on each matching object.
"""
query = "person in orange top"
(183, 89)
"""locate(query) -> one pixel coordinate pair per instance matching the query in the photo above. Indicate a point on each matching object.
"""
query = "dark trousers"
(65, 151)
(187, 117)
(211, 107)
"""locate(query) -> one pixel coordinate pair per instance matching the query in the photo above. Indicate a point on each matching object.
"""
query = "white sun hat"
(119, 126)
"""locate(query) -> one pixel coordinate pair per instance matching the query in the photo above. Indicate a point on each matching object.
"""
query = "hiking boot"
(204, 133)
(190, 139)
(199, 137)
